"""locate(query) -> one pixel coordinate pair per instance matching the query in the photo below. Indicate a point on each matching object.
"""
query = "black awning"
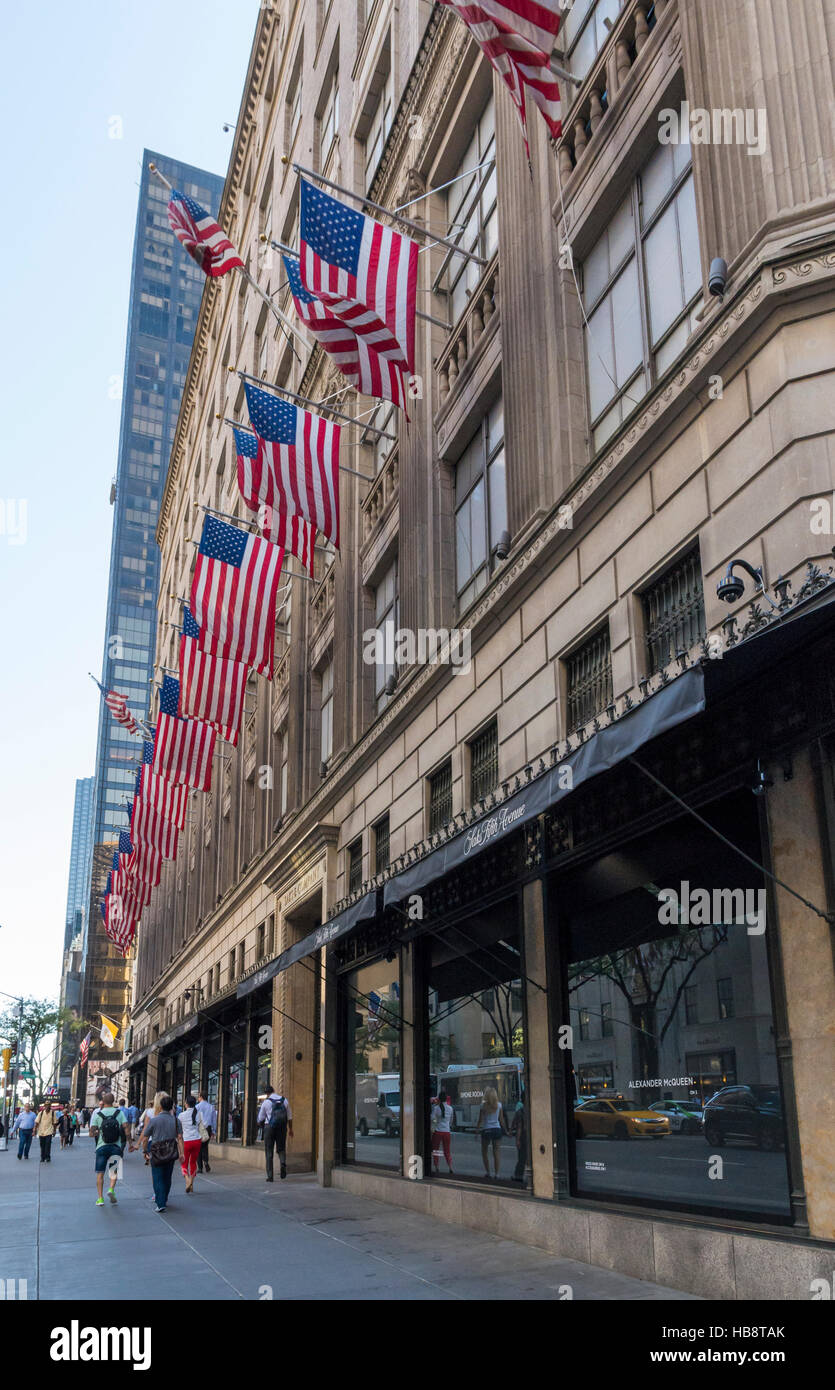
(361, 911)
(669, 706)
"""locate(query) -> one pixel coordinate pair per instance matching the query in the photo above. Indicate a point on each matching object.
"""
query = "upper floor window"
(381, 845)
(589, 679)
(440, 797)
(641, 281)
(294, 107)
(382, 419)
(326, 678)
(471, 212)
(484, 762)
(584, 31)
(329, 120)
(355, 866)
(480, 506)
(385, 621)
(674, 611)
(379, 128)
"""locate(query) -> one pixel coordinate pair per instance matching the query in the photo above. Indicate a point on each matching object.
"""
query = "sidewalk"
(238, 1237)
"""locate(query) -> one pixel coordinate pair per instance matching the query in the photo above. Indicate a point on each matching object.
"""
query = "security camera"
(730, 588)
(503, 545)
(762, 781)
(323, 769)
(718, 277)
(391, 685)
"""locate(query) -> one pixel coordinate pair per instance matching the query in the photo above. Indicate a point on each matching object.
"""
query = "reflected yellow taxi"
(619, 1119)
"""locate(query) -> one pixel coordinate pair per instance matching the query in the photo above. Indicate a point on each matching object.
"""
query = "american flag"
(122, 918)
(211, 687)
(518, 37)
(257, 487)
(166, 797)
(183, 748)
(360, 364)
(144, 869)
(201, 236)
(85, 1048)
(364, 272)
(118, 706)
(302, 451)
(149, 827)
(233, 594)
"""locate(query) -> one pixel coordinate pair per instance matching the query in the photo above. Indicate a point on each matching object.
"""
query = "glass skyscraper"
(166, 288)
(78, 887)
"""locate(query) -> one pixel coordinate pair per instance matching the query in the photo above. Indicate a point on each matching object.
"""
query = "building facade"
(583, 858)
(166, 287)
(80, 855)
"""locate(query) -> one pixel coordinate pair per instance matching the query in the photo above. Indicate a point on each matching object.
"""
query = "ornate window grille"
(354, 866)
(381, 845)
(674, 611)
(440, 797)
(589, 679)
(484, 762)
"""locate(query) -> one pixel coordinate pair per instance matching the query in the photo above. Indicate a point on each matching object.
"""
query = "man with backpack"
(109, 1128)
(277, 1118)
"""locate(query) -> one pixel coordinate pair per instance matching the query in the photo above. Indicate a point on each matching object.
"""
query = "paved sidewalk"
(238, 1237)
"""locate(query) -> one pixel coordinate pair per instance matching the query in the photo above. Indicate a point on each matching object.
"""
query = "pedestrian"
(193, 1131)
(85, 1115)
(519, 1130)
(45, 1128)
(161, 1142)
(109, 1128)
(209, 1116)
(442, 1113)
(277, 1118)
(65, 1127)
(133, 1115)
(24, 1125)
(144, 1120)
(79, 1118)
(492, 1127)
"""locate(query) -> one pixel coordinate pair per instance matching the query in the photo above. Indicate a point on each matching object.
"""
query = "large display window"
(476, 1030)
(371, 1001)
(676, 1095)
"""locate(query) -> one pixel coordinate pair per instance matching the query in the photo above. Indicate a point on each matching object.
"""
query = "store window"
(235, 1085)
(371, 1002)
(476, 1030)
(663, 939)
(641, 282)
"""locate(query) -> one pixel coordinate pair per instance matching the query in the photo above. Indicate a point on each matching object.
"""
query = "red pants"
(441, 1141)
(191, 1153)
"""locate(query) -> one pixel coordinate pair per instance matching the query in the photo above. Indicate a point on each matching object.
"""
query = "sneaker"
(269, 1179)
(208, 1169)
(159, 1209)
(111, 1192)
(99, 1201)
(19, 1157)
(283, 1171)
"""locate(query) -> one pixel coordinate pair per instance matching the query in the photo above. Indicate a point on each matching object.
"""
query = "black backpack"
(110, 1131)
(278, 1116)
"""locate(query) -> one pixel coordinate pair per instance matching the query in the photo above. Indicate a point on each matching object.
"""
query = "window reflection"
(373, 1100)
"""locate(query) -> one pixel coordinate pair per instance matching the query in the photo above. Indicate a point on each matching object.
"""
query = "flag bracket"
(343, 467)
(303, 400)
(419, 313)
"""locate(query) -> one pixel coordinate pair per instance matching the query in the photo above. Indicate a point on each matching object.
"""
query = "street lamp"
(17, 1068)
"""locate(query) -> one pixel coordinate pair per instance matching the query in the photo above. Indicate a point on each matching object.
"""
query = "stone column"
(805, 945)
(537, 1042)
(411, 1121)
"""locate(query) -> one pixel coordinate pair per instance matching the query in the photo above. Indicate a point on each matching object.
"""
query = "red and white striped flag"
(169, 798)
(149, 827)
(198, 232)
(233, 595)
(518, 37)
(183, 748)
(144, 868)
(212, 688)
(118, 706)
(257, 487)
(301, 451)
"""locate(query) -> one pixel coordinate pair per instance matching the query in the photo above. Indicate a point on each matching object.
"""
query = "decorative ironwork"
(484, 762)
(381, 845)
(440, 797)
(674, 611)
(354, 866)
(589, 679)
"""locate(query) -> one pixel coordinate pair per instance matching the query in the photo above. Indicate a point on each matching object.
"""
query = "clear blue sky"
(173, 73)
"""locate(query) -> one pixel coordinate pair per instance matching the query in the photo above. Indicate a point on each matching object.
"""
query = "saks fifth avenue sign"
(488, 829)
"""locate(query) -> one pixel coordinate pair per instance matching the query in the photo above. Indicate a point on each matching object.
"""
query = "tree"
(41, 1020)
(506, 1020)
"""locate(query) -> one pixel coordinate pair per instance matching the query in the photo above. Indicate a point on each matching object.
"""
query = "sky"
(86, 87)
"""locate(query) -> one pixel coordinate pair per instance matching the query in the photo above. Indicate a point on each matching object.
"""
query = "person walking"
(65, 1127)
(109, 1128)
(209, 1116)
(161, 1142)
(492, 1127)
(45, 1128)
(442, 1113)
(193, 1129)
(277, 1118)
(144, 1120)
(24, 1125)
(79, 1118)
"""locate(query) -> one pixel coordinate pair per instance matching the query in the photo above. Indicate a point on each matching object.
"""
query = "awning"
(361, 911)
(669, 706)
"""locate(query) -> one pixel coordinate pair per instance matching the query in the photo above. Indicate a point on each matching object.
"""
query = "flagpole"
(386, 212)
(282, 318)
(303, 400)
(419, 314)
(343, 467)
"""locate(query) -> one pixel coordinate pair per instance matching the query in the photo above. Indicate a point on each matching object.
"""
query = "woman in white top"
(442, 1114)
(190, 1121)
(492, 1126)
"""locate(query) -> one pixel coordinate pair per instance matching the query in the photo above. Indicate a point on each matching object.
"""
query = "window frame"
(488, 456)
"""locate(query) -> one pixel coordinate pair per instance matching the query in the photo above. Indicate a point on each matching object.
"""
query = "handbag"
(164, 1150)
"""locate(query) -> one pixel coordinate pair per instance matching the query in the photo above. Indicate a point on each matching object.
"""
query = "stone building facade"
(593, 438)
